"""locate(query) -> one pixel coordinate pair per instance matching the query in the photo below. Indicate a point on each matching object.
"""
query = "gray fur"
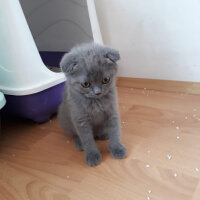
(89, 113)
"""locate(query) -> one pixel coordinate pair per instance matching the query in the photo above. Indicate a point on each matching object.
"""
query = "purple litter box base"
(38, 107)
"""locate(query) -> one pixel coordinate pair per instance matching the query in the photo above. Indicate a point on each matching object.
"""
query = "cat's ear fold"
(69, 64)
(111, 55)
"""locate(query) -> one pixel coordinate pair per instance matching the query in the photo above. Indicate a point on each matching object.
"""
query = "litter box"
(31, 90)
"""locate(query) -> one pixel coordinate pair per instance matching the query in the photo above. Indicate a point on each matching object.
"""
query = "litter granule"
(175, 174)
(149, 191)
(169, 157)
(194, 115)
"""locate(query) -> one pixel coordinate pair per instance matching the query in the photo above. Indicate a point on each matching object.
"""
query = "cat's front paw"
(118, 151)
(93, 158)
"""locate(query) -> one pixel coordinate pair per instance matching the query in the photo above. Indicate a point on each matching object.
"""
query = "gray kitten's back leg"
(65, 120)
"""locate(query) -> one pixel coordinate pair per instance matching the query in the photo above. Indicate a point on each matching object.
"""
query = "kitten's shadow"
(103, 147)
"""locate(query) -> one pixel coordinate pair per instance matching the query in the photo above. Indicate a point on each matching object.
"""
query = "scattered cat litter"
(123, 122)
(177, 137)
(132, 89)
(199, 119)
(169, 157)
(197, 169)
(149, 191)
(177, 127)
(67, 141)
(194, 109)
(145, 88)
(173, 122)
(13, 155)
(147, 166)
(67, 177)
(186, 117)
(175, 174)
(50, 120)
(148, 198)
(148, 151)
(194, 115)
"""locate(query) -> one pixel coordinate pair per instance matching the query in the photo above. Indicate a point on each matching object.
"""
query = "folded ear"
(69, 64)
(111, 54)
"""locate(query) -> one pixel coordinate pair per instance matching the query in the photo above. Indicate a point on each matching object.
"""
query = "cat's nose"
(97, 91)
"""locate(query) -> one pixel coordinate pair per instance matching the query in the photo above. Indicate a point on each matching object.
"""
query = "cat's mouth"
(95, 96)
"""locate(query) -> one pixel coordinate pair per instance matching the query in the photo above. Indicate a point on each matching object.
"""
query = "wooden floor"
(160, 130)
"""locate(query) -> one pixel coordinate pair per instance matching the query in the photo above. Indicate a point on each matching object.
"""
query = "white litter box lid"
(22, 71)
(2, 100)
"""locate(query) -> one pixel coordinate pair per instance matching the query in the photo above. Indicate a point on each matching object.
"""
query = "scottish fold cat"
(89, 108)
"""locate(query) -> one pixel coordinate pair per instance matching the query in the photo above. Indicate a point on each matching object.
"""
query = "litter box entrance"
(57, 26)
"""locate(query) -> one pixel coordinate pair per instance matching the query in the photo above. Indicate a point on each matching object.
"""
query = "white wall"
(156, 39)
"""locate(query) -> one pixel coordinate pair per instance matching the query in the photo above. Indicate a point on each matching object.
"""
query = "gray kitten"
(89, 109)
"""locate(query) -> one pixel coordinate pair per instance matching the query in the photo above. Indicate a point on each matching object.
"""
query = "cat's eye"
(105, 80)
(86, 84)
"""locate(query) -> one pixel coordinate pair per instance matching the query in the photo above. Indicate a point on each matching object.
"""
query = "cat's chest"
(98, 111)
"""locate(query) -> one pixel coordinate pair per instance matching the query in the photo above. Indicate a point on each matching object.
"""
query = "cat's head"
(90, 69)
